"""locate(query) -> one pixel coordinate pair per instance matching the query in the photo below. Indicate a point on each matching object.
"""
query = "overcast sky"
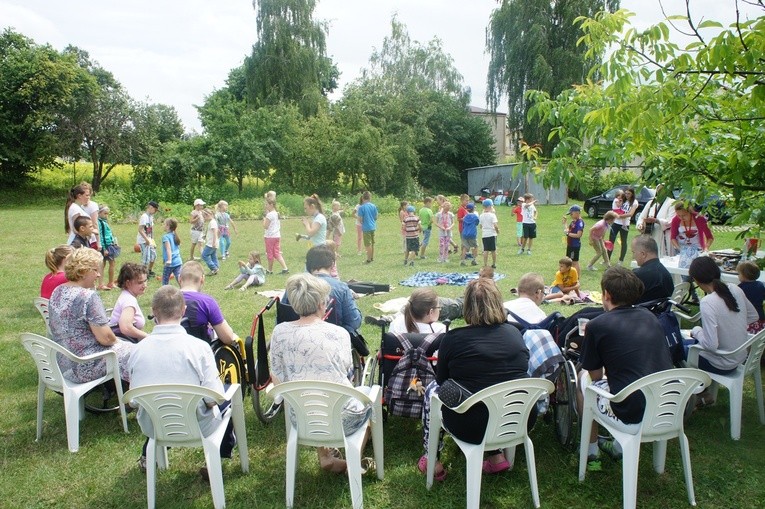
(177, 52)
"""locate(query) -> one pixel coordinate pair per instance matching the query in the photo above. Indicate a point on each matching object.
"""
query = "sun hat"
(199, 201)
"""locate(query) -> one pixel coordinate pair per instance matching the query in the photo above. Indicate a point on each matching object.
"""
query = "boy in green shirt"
(426, 222)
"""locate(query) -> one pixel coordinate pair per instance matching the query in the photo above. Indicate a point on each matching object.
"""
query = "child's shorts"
(489, 243)
(529, 230)
(573, 252)
(519, 229)
(413, 244)
(469, 242)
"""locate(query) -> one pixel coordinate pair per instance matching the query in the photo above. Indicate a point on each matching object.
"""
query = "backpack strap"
(520, 321)
(405, 343)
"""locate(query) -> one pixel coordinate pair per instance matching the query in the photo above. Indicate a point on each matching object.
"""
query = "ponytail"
(70, 198)
(314, 201)
(55, 255)
(705, 271)
(725, 294)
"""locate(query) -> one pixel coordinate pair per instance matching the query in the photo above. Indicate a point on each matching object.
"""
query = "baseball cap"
(488, 203)
(154, 204)
(470, 205)
(574, 208)
(410, 208)
(199, 201)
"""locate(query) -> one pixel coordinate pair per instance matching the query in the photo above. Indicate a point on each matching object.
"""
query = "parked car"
(600, 204)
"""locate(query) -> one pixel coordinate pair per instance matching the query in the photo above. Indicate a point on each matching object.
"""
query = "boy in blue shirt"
(469, 234)
(367, 212)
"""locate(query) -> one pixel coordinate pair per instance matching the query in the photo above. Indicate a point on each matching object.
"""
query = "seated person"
(749, 275)
(628, 343)
(202, 311)
(55, 259)
(170, 356)
(657, 281)
(127, 320)
(566, 280)
(485, 352)
(312, 349)
(419, 315)
(531, 293)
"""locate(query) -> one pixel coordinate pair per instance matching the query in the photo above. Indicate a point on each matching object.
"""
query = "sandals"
(495, 468)
(422, 465)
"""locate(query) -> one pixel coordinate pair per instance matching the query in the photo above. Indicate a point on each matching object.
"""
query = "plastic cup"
(582, 322)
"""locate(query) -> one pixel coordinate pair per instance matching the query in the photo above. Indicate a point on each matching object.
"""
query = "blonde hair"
(483, 303)
(307, 293)
(530, 283)
(167, 304)
(270, 195)
(192, 272)
(610, 216)
(55, 255)
(220, 205)
(82, 261)
(255, 255)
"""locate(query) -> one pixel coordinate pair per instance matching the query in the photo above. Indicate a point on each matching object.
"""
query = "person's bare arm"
(104, 335)
(225, 332)
(126, 324)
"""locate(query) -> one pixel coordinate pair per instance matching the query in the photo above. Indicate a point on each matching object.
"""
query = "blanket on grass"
(443, 278)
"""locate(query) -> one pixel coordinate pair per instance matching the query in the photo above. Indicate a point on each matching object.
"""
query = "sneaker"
(590, 267)
(213, 272)
(405, 262)
(285, 271)
(411, 264)
(151, 274)
(493, 266)
(528, 252)
(474, 262)
(594, 464)
(269, 272)
(422, 257)
(228, 287)
(608, 446)
(368, 261)
(142, 464)
(520, 251)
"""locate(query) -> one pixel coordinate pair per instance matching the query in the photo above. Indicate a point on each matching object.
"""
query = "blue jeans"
(224, 243)
(210, 257)
(174, 270)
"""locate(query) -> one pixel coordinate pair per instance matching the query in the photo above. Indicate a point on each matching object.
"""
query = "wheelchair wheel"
(102, 399)
(263, 404)
(358, 369)
(373, 364)
(230, 366)
(564, 408)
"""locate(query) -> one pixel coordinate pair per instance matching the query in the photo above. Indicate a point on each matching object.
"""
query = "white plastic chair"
(318, 407)
(172, 409)
(43, 351)
(666, 395)
(42, 306)
(734, 382)
(678, 295)
(509, 404)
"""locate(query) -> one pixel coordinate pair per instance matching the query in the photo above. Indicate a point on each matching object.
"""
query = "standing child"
(597, 238)
(252, 273)
(225, 223)
(359, 230)
(573, 233)
(489, 232)
(197, 227)
(426, 222)
(445, 223)
(333, 270)
(518, 211)
(462, 212)
(412, 230)
(83, 229)
(273, 237)
(145, 237)
(566, 280)
(401, 217)
(109, 246)
(748, 275)
(367, 215)
(469, 234)
(171, 252)
(210, 251)
(441, 199)
(336, 226)
(529, 223)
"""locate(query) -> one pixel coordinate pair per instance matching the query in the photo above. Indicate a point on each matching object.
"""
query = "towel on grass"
(443, 278)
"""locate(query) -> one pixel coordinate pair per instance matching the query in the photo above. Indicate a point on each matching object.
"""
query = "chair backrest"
(172, 409)
(509, 404)
(317, 407)
(756, 348)
(43, 351)
(285, 313)
(681, 291)
(666, 395)
(42, 306)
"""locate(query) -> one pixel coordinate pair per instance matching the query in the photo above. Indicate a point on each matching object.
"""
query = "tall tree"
(288, 62)
(533, 46)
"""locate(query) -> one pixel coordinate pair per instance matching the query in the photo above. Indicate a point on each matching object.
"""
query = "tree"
(288, 62)
(694, 113)
(533, 46)
(154, 126)
(36, 83)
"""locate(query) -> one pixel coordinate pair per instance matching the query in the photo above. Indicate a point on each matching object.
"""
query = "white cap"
(199, 201)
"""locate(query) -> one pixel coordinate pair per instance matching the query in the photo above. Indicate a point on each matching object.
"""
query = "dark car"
(602, 203)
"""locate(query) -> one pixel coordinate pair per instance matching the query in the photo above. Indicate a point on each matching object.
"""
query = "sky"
(177, 52)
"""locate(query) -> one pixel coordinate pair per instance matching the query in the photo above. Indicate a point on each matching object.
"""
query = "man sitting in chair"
(169, 355)
(628, 343)
(657, 281)
(202, 310)
(531, 293)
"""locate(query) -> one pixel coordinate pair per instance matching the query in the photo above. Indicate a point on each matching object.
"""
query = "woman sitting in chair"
(486, 352)
(419, 315)
(725, 314)
(311, 349)
(78, 320)
(127, 320)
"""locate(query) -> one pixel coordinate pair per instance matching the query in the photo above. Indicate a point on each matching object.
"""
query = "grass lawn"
(104, 473)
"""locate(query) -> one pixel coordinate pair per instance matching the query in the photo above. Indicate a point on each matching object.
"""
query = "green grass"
(104, 472)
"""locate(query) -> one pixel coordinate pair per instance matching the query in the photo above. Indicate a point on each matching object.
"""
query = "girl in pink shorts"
(272, 237)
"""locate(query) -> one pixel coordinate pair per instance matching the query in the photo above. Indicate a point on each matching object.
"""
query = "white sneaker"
(528, 252)
(520, 251)
(590, 267)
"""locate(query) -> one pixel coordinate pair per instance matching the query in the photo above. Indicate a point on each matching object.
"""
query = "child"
(748, 274)
(225, 223)
(359, 230)
(273, 237)
(401, 216)
(489, 232)
(210, 251)
(252, 273)
(426, 222)
(412, 230)
(462, 212)
(445, 223)
(55, 259)
(333, 270)
(469, 234)
(83, 229)
(597, 238)
(171, 252)
(441, 199)
(518, 211)
(566, 280)
(486, 272)
(197, 221)
(529, 223)
(109, 246)
(573, 234)
(270, 195)
(335, 226)
(145, 237)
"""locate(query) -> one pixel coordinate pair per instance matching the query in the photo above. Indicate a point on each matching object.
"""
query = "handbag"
(452, 393)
